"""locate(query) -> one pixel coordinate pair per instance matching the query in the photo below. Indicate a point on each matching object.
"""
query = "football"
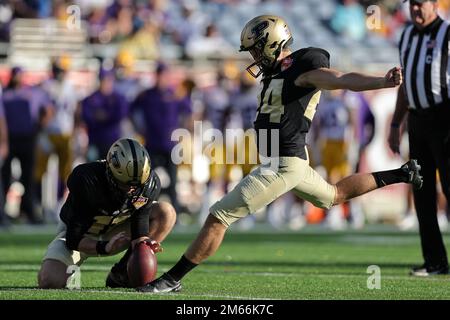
(142, 265)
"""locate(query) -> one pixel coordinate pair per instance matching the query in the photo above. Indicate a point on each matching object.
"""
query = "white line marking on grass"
(177, 294)
(312, 275)
(34, 267)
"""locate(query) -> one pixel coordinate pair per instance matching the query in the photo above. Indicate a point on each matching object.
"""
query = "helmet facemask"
(124, 191)
(257, 53)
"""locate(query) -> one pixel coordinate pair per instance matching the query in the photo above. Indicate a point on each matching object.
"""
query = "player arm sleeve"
(140, 223)
(75, 213)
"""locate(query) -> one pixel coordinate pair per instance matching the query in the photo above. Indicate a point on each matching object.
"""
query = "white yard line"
(33, 267)
(178, 294)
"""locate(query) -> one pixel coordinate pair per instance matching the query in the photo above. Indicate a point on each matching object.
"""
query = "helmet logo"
(257, 30)
(115, 160)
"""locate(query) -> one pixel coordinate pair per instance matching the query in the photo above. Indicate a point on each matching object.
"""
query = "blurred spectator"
(26, 8)
(364, 124)
(21, 9)
(183, 94)
(349, 20)
(59, 9)
(97, 20)
(6, 15)
(116, 6)
(126, 83)
(217, 111)
(4, 149)
(156, 113)
(210, 44)
(120, 27)
(333, 121)
(102, 112)
(144, 43)
(56, 136)
(444, 9)
(187, 26)
(244, 102)
(26, 110)
(216, 100)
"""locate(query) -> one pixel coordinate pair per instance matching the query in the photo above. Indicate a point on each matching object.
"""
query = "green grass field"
(310, 264)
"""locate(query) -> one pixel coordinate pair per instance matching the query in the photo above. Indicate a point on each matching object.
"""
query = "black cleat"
(427, 271)
(412, 169)
(165, 283)
(117, 279)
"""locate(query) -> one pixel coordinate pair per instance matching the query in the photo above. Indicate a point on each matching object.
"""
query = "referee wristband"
(395, 125)
(101, 247)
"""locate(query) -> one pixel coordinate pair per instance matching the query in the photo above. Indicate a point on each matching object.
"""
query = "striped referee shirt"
(424, 59)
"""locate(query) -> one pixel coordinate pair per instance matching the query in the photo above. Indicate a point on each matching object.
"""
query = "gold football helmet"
(264, 37)
(128, 167)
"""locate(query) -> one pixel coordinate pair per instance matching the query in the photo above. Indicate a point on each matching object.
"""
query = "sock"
(384, 178)
(182, 267)
(121, 266)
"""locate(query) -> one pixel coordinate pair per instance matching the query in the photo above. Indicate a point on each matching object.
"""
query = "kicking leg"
(359, 184)
(207, 241)
(253, 192)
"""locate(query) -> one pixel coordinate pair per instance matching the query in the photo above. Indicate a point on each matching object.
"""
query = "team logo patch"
(286, 63)
(140, 202)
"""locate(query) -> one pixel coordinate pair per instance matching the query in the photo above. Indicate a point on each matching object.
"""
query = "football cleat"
(412, 169)
(163, 284)
(427, 271)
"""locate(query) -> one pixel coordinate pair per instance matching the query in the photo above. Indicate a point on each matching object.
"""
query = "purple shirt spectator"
(160, 112)
(102, 115)
(22, 107)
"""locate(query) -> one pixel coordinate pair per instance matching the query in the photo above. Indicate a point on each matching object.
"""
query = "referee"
(424, 95)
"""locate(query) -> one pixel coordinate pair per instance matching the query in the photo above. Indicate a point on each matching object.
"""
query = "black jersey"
(285, 110)
(92, 208)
